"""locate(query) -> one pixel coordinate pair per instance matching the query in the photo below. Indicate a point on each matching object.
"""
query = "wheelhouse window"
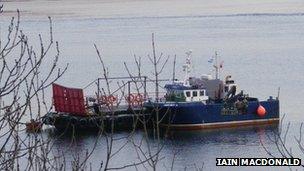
(202, 93)
(188, 93)
(194, 93)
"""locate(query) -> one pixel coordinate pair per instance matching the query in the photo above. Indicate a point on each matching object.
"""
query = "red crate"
(68, 100)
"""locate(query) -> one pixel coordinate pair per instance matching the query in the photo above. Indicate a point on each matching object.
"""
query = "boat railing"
(130, 100)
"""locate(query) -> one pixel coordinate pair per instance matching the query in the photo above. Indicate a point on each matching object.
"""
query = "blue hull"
(198, 115)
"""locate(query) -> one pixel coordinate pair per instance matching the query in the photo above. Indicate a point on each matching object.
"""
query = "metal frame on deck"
(134, 79)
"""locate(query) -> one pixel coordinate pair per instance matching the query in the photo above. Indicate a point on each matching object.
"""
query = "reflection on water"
(191, 147)
(224, 135)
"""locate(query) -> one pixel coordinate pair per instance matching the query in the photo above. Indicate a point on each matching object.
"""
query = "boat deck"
(123, 117)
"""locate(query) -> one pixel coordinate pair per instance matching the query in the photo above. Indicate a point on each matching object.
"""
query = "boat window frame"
(202, 93)
(194, 95)
(188, 93)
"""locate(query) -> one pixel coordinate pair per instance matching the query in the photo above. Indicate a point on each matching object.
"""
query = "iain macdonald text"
(258, 162)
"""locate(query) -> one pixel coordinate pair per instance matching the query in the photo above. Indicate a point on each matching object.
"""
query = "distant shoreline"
(129, 9)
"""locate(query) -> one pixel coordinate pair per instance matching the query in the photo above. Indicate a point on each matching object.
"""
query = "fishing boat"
(207, 102)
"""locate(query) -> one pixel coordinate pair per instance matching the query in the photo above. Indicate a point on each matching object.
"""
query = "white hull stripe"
(223, 123)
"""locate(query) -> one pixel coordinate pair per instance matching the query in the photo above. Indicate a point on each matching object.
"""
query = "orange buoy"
(261, 111)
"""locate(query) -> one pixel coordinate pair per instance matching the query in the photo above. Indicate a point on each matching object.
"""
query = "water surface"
(261, 44)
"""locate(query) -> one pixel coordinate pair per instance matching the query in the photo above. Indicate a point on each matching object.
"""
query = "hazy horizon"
(62, 9)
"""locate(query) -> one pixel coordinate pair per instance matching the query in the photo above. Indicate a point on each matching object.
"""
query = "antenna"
(174, 63)
(278, 96)
(216, 66)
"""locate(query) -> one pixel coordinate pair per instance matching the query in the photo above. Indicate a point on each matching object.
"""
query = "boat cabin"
(182, 93)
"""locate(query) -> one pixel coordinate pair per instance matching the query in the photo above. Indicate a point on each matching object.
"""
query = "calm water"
(262, 52)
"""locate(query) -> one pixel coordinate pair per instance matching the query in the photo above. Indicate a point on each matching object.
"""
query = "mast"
(216, 66)
(187, 68)
(174, 63)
